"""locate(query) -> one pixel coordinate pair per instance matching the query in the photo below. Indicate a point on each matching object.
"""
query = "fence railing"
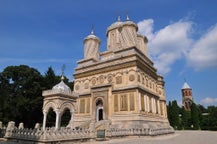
(68, 134)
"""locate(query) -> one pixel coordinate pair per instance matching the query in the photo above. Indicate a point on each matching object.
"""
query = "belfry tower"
(187, 98)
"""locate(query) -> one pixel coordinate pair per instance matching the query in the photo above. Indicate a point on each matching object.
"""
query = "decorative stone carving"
(101, 79)
(37, 126)
(77, 87)
(86, 85)
(139, 79)
(110, 77)
(21, 126)
(131, 77)
(82, 105)
(118, 79)
(94, 81)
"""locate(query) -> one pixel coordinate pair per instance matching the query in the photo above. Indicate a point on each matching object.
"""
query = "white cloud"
(209, 101)
(168, 44)
(203, 54)
(146, 28)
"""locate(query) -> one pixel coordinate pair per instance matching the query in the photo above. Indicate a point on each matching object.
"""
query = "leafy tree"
(21, 94)
(22, 99)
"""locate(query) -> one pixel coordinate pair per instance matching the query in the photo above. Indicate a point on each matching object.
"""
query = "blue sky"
(182, 37)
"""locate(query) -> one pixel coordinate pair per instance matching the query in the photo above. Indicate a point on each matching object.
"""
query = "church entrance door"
(99, 110)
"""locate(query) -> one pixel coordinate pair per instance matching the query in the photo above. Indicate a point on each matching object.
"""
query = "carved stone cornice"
(122, 59)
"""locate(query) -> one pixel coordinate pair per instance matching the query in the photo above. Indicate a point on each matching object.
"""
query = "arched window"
(186, 93)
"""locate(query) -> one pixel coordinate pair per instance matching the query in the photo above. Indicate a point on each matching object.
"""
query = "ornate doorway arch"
(99, 110)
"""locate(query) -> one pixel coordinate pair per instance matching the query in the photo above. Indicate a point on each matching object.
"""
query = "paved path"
(180, 137)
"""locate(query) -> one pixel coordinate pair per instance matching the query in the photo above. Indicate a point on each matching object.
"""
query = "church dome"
(129, 22)
(114, 25)
(91, 36)
(61, 87)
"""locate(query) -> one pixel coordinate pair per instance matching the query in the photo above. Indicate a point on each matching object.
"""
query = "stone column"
(44, 120)
(71, 120)
(21, 126)
(148, 109)
(152, 105)
(57, 125)
(165, 109)
(155, 107)
(140, 102)
(0, 124)
(158, 105)
(10, 128)
(145, 102)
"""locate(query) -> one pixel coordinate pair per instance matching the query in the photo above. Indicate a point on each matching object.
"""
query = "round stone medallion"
(110, 78)
(94, 81)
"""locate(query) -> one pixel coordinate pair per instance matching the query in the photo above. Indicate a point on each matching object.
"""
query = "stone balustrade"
(65, 134)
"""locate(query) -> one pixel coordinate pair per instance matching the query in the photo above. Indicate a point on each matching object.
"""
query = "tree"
(169, 107)
(212, 117)
(22, 99)
(186, 118)
(195, 116)
(173, 114)
(50, 79)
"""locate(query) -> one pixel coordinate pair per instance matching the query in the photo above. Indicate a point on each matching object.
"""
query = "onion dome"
(115, 25)
(91, 36)
(129, 22)
(61, 87)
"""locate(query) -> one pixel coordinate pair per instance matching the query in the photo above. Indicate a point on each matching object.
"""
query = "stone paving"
(180, 137)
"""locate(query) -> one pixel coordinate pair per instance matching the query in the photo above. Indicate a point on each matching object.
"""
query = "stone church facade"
(118, 88)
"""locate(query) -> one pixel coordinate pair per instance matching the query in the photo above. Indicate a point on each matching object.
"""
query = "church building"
(120, 87)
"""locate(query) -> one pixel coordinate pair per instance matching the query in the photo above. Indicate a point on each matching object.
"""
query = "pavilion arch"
(48, 106)
(59, 110)
(67, 105)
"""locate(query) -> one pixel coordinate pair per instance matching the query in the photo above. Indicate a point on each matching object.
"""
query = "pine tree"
(195, 116)
(186, 118)
(173, 114)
